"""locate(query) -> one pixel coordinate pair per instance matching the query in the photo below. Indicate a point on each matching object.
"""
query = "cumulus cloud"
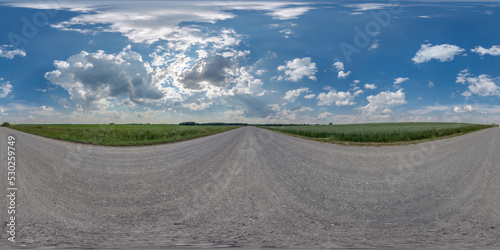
(5, 88)
(93, 79)
(339, 66)
(493, 51)
(340, 69)
(339, 98)
(213, 70)
(290, 114)
(310, 96)
(234, 113)
(370, 86)
(400, 80)
(343, 75)
(200, 105)
(482, 85)
(44, 111)
(462, 109)
(6, 51)
(324, 115)
(292, 95)
(383, 102)
(246, 83)
(443, 53)
(299, 68)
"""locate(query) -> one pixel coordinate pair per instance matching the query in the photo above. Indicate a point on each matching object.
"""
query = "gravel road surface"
(255, 188)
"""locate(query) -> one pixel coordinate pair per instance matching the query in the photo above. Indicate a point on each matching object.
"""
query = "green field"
(380, 132)
(122, 135)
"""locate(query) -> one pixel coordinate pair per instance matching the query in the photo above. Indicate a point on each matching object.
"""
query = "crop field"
(122, 135)
(380, 132)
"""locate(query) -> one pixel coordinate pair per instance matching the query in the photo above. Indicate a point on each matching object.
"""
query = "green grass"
(122, 135)
(380, 132)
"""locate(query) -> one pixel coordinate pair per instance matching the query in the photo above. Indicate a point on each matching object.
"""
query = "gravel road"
(255, 188)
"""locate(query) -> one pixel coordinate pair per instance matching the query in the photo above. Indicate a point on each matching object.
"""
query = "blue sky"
(249, 61)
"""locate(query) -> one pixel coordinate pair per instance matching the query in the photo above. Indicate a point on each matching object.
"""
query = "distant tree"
(5, 124)
(330, 123)
(111, 123)
(187, 123)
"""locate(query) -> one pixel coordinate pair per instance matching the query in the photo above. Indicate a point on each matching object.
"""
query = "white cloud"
(94, 79)
(488, 12)
(278, 10)
(339, 98)
(286, 32)
(150, 22)
(430, 84)
(400, 80)
(424, 17)
(262, 93)
(443, 53)
(370, 6)
(25, 110)
(310, 96)
(494, 50)
(292, 95)
(299, 68)
(44, 111)
(147, 23)
(234, 113)
(339, 66)
(383, 102)
(430, 109)
(5, 88)
(45, 108)
(286, 115)
(324, 115)
(462, 109)
(260, 72)
(3, 111)
(7, 52)
(370, 86)
(289, 13)
(482, 85)
(200, 105)
(343, 75)
(246, 83)
(148, 113)
(374, 45)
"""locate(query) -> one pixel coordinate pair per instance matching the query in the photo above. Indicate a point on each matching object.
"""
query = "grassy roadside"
(122, 135)
(379, 133)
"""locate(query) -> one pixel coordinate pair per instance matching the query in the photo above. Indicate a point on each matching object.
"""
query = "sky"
(249, 61)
